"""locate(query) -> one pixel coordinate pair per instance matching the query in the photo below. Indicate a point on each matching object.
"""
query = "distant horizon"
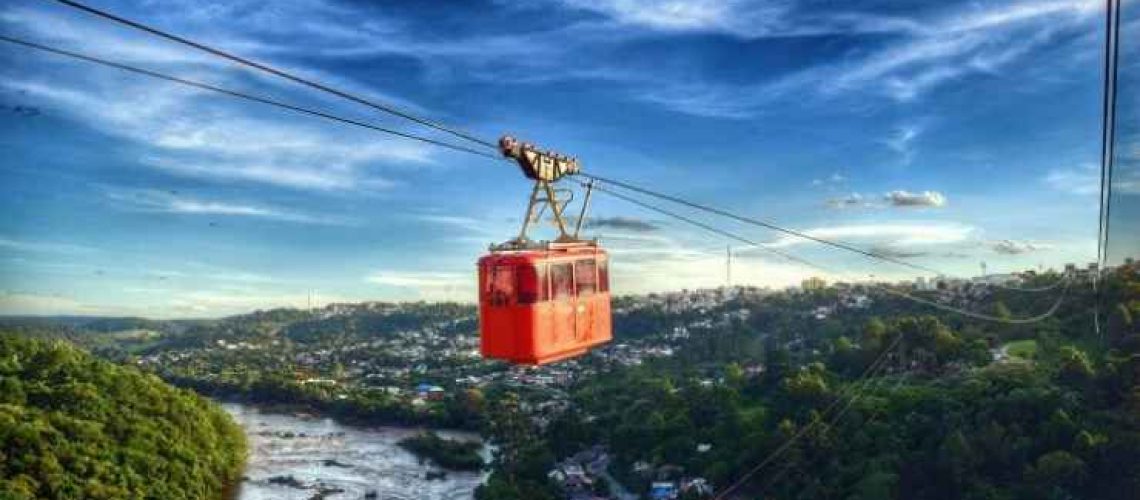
(474, 301)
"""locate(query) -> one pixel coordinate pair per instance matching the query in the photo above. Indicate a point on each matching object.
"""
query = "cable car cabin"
(544, 304)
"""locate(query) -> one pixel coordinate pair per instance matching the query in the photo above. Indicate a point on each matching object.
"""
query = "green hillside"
(73, 426)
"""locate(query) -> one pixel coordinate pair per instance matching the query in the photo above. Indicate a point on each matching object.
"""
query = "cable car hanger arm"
(545, 168)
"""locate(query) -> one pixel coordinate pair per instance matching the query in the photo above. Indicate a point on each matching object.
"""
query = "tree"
(1075, 365)
(1057, 469)
(1001, 311)
(734, 375)
(520, 454)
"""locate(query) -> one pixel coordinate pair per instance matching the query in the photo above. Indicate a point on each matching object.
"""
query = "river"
(321, 454)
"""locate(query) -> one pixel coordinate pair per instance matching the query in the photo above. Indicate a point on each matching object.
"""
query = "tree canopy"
(73, 426)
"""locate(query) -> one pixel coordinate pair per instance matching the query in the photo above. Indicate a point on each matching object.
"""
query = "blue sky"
(948, 133)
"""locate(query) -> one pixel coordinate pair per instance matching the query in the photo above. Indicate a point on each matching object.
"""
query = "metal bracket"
(544, 196)
(585, 207)
(545, 168)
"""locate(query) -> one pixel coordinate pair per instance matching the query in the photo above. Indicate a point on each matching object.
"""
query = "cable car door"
(586, 283)
(564, 306)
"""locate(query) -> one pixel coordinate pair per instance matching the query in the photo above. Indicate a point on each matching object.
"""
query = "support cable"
(859, 394)
(867, 373)
(1108, 148)
(700, 224)
(793, 232)
(241, 95)
(1067, 278)
(386, 108)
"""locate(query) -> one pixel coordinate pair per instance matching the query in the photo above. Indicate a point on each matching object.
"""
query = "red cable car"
(541, 302)
(543, 305)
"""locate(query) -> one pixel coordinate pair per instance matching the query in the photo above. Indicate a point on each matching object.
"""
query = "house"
(642, 467)
(698, 486)
(571, 476)
(430, 392)
(663, 490)
(813, 283)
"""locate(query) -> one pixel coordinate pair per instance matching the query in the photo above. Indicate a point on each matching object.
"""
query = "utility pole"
(728, 266)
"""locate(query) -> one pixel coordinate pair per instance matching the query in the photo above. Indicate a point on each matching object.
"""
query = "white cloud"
(958, 44)
(896, 198)
(191, 133)
(1083, 180)
(194, 138)
(101, 38)
(669, 15)
(909, 199)
(428, 285)
(216, 303)
(42, 246)
(853, 200)
(894, 234)
(984, 17)
(465, 223)
(902, 141)
(622, 223)
(161, 201)
(930, 51)
(14, 303)
(744, 19)
(157, 302)
(927, 48)
(419, 279)
(831, 180)
(1017, 247)
(691, 270)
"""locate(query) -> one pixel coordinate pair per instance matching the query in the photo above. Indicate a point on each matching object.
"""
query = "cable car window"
(532, 283)
(561, 281)
(501, 286)
(586, 276)
(603, 276)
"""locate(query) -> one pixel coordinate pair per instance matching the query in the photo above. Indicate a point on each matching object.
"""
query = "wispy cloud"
(928, 51)
(902, 141)
(894, 234)
(898, 198)
(193, 139)
(622, 223)
(217, 302)
(853, 200)
(756, 19)
(931, 199)
(428, 285)
(1017, 247)
(927, 47)
(1082, 180)
(418, 279)
(897, 253)
(163, 201)
(15, 303)
(834, 179)
(455, 221)
(43, 246)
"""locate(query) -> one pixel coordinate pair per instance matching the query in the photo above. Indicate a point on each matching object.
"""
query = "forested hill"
(73, 426)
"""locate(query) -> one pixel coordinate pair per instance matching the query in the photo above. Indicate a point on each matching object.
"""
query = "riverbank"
(356, 408)
(297, 456)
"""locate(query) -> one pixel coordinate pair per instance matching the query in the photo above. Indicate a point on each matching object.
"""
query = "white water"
(374, 461)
